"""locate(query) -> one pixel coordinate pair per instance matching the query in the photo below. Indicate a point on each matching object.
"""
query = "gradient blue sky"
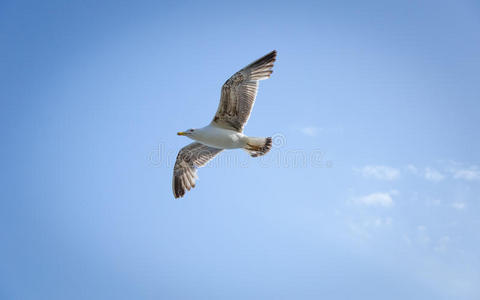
(371, 191)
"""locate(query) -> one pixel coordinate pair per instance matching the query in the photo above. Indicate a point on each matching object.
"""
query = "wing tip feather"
(265, 61)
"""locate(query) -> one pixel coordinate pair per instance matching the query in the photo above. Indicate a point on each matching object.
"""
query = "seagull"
(225, 131)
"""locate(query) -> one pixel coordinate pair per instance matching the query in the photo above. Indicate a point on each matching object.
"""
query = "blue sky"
(371, 190)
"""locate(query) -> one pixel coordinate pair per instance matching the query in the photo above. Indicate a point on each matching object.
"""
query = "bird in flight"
(225, 130)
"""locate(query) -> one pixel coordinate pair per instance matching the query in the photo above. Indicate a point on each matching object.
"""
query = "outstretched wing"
(188, 160)
(239, 92)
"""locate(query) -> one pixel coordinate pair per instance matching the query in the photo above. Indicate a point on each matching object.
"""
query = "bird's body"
(220, 138)
(226, 130)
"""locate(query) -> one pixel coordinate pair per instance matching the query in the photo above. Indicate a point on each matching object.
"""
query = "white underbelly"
(222, 138)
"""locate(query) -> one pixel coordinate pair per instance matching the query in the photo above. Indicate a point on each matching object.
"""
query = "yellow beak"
(181, 133)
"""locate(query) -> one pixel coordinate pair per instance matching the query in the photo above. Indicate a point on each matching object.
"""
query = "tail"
(258, 146)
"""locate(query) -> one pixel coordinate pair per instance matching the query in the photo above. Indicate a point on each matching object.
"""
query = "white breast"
(220, 138)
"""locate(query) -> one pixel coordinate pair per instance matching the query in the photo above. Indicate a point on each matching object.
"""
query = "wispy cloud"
(469, 174)
(458, 205)
(412, 169)
(379, 172)
(377, 199)
(428, 173)
(366, 228)
(433, 175)
(455, 169)
(382, 222)
(310, 130)
(423, 238)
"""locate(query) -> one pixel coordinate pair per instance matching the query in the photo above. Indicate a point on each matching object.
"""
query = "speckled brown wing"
(239, 92)
(189, 158)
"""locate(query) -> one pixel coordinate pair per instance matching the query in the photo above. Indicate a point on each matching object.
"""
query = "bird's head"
(188, 132)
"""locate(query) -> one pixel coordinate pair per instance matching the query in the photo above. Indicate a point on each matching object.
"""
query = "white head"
(188, 133)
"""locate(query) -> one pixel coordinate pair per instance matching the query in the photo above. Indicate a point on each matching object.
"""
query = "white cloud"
(412, 169)
(379, 172)
(433, 175)
(421, 228)
(456, 169)
(467, 174)
(310, 131)
(377, 199)
(458, 205)
(428, 173)
(461, 171)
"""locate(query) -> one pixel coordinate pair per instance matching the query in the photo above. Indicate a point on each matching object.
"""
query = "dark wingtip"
(178, 191)
(266, 59)
(271, 56)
